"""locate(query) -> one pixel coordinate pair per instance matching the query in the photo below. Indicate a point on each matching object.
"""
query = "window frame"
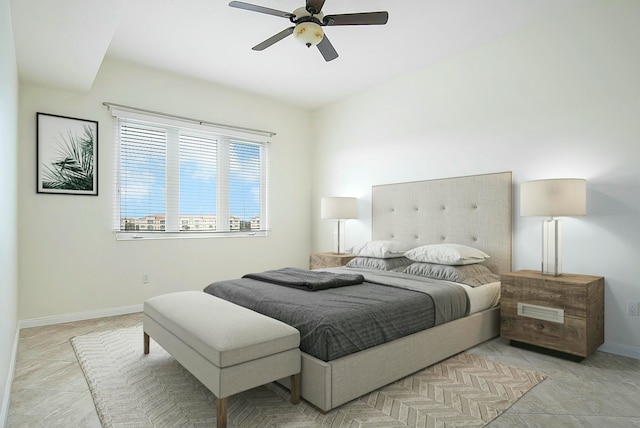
(225, 136)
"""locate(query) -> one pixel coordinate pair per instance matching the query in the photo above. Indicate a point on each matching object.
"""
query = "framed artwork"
(67, 155)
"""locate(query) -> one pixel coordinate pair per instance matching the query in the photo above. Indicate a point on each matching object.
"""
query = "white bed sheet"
(484, 297)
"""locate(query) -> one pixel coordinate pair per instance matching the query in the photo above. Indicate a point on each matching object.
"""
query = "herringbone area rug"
(133, 390)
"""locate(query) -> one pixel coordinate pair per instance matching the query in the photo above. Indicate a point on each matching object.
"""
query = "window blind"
(187, 180)
(142, 175)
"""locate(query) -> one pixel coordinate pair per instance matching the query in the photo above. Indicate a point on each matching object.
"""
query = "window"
(177, 178)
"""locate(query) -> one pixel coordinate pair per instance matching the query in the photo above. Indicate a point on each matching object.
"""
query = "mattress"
(482, 298)
(337, 322)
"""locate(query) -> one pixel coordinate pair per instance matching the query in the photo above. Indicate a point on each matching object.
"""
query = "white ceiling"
(61, 43)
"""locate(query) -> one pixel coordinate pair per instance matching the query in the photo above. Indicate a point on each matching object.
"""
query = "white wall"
(8, 201)
(70, 261)
(561, 99)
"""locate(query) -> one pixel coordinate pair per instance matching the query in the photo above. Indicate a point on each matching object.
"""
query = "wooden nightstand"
(563, 313)
(328, 260)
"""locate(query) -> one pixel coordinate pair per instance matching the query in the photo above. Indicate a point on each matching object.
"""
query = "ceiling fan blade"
(273, 39)
(327, 50)
(365, 18)
(256, 8)
(314, 6)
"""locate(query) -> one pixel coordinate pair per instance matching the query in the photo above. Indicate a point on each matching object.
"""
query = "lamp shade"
(338, 208)
(555, 197)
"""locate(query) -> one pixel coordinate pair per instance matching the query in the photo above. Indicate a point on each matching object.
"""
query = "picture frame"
(67, 155)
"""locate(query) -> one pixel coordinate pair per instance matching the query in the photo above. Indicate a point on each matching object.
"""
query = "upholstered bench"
(227, 347)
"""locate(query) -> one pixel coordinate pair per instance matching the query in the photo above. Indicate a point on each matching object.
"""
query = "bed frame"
(473, 210)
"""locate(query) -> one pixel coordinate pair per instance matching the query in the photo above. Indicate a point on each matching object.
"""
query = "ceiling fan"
(308, 22)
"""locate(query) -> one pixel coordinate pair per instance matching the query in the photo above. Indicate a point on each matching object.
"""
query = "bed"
(475, 211)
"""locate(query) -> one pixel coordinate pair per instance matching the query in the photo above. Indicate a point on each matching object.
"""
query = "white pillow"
(381, 249)
(446, 254)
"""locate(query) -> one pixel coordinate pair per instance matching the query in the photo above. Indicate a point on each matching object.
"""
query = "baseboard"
(79, 316)
(4, 410)
(624, 350)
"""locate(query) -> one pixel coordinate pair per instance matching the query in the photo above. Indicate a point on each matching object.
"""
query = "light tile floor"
(49, 389)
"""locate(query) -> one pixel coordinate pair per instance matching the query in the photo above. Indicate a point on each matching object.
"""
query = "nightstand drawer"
(569, 336)
(570, 297)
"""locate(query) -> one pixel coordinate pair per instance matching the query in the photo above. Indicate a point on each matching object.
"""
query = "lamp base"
(338, 237)
(552, 247)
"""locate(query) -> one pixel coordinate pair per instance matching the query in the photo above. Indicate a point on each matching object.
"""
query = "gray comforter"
(340, 321)
(312, 280)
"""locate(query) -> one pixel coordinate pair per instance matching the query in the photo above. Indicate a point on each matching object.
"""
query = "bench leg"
(221, 412)
(146, 343)
(295, 388)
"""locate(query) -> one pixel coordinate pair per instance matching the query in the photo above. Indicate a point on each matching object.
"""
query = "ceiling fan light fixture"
(308, 33)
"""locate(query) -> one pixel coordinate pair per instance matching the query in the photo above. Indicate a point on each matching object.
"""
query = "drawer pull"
(541, 312)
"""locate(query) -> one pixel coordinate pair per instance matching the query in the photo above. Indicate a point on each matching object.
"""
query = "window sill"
(140, 236)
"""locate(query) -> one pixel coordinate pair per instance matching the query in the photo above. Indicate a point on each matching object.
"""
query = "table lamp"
(558, 197)
(338, 209)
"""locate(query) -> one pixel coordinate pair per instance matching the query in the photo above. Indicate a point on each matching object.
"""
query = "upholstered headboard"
(474, 210)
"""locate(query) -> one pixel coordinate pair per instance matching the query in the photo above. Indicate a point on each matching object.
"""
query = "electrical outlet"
(145, 278)
(632, 308)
